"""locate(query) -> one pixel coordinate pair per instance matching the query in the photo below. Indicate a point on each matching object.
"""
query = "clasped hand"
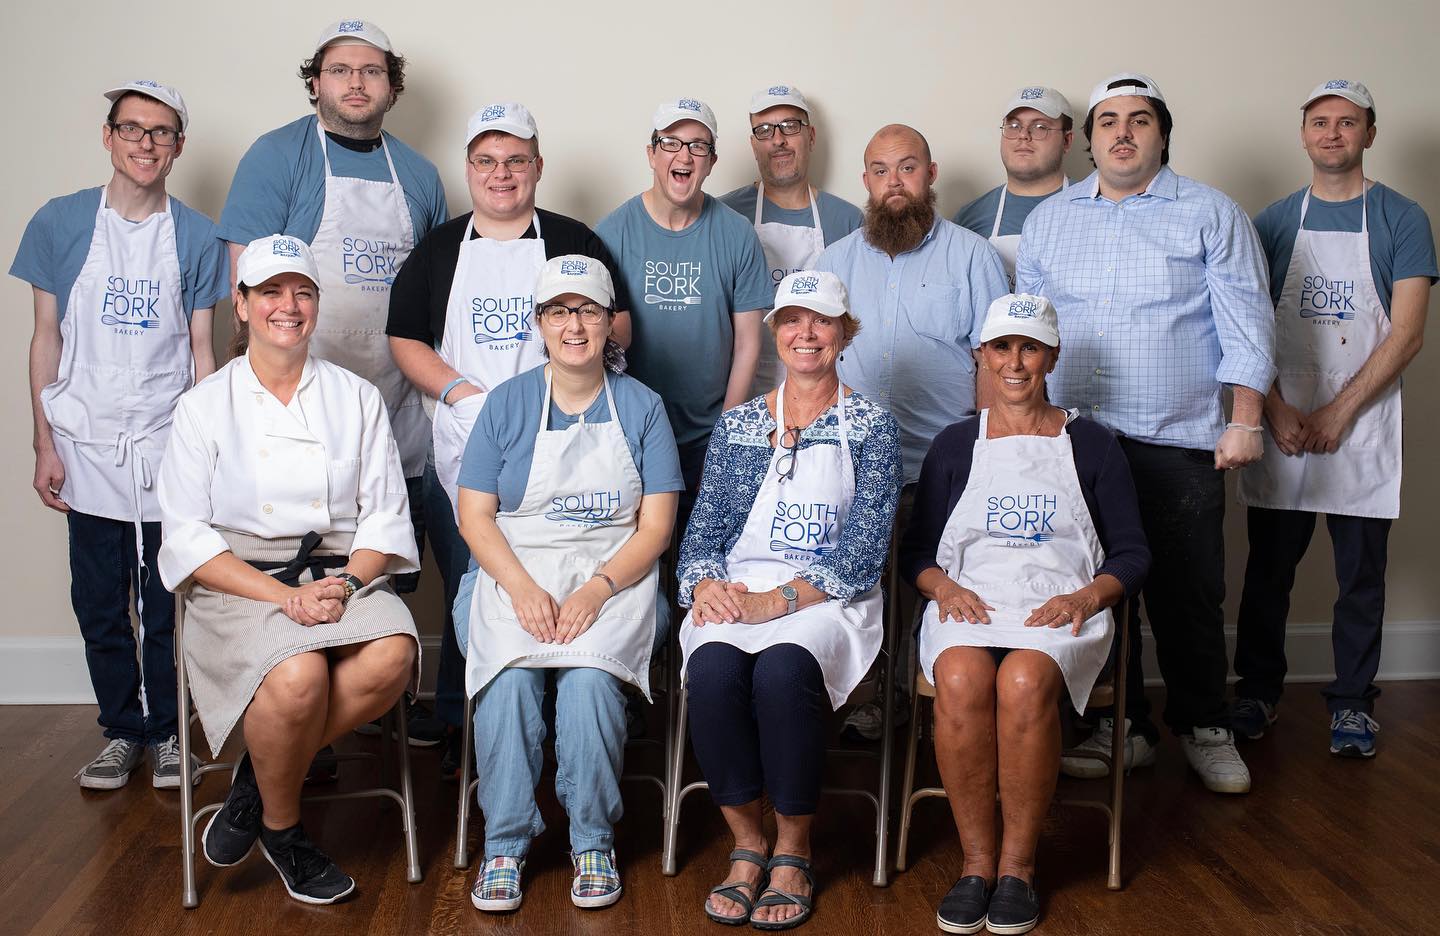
(548, 622)
(722, 602)
(319, 602)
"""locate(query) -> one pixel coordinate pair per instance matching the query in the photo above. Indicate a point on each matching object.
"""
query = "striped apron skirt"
(232, 643)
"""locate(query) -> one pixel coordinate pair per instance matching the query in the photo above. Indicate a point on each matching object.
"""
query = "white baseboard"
(52, 670)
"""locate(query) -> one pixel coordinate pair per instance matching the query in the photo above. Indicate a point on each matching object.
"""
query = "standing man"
(1035, 135)
(1351, 266)
(793, 220)
(696, 274)
(362, 200)
(1159, 282)
(125, 282)
(461, 322)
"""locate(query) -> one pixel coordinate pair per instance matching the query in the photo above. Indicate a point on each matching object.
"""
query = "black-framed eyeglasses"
(134, 133)
(558, 313)
(788, 127)
(785, 464)
(669, 144)
(1014, 130)
(517, 165)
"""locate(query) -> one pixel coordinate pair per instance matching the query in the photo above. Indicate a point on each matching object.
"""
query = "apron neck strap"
(325, 152)
(1365, 187)
(604, 388)
(760, 204)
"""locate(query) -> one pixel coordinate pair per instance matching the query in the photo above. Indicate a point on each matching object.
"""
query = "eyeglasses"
(1014, 130)
(517, 165)
(558, 314)
(134, 133)
(669, 144)
(343, 72)
(788, 127)
(785, 464)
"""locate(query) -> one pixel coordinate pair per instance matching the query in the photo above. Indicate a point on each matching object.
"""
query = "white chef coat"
(241, 460)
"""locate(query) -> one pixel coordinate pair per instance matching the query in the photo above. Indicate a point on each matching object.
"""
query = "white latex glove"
(1238, 447)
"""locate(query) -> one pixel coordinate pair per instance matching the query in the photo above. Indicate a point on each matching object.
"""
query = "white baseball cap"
(816, 290)
(270, 256)
(507, 117)
(574, 273)
(778, 96)
(362, 30)
(1126, 83)
(1022, 314)
(1352, 91)
(153, 89)
(673, 110)
(1047, 101)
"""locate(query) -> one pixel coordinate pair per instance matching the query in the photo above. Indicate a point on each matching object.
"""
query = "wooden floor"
(1322, 846)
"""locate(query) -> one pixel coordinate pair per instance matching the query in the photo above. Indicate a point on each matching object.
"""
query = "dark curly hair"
(1162, 113)
(394, 64)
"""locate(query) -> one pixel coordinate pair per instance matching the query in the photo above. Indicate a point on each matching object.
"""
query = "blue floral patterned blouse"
(735, 466)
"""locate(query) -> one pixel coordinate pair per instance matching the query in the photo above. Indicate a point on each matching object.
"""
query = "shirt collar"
(252, 383)
(1166, 185)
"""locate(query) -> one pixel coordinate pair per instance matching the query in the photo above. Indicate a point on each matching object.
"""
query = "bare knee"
(1027, 690)
(964, 685)
(385, 665)
(294, 689)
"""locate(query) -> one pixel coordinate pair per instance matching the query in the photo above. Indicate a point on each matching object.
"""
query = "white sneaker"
(1139, 752)
(1211, 752)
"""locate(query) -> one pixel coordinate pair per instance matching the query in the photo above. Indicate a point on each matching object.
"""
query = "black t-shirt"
(421, 289)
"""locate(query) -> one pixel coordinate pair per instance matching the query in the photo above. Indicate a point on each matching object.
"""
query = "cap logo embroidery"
(778, 90)
(804, 285)
(574, 267)
(351, 26)
(1023, 308)
(285, 248)
(1339, 84)
(147, 83)
(689, 104)
(493, 112)
(1032, 94)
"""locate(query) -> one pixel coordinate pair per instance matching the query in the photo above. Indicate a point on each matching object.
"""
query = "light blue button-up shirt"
(920, 314)
(1162, 298)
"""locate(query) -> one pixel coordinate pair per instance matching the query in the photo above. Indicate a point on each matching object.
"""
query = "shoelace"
(114, 755)
(1222, 752)
(1352, 720)
(167, 753)
(243, 811)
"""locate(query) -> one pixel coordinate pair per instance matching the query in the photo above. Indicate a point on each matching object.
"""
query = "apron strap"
(304, 559)
(384, 148)
(1364, 206)
(760, 206)
(999, 212)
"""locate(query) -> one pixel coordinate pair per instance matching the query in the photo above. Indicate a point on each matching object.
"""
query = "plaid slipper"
(497, 886)
(597, 880)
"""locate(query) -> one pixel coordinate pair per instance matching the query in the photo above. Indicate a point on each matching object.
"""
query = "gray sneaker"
(112, 768)
(165, 758)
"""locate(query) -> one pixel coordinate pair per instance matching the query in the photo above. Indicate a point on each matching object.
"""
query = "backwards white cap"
(153, 89)
(1126, 84)
(672, 111)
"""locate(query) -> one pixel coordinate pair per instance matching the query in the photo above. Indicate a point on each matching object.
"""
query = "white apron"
(1327, 323)
(1008, 245)
(791, 525)
(365, 235)
(581, 505)
(125, 360)
(787, 248)
(490, 335)
(1020, 535)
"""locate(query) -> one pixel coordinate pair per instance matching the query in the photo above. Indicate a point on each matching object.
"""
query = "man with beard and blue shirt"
(1035, 135)
(794, 221)
(362, 200)
(1351, 266)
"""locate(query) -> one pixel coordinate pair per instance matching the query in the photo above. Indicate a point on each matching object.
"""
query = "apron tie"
(289, 572)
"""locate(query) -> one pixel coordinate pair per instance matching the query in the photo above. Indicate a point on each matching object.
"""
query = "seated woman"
(780, 566)
(568, 489)
(284, 512)
(1026, 530)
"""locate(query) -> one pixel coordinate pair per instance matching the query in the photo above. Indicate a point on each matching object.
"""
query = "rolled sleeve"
(384, 517)
(1240, 301)
(188, 541)
(712, 523)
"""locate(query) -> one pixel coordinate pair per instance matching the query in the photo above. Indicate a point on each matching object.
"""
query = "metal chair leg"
(1117, 747)
(881, 877)
(189, 898)
(907, 802)
(407, 793)
(672, 781)
(462, 813)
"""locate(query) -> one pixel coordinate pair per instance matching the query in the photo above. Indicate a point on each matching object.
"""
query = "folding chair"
(1109, 691)
(394, 722)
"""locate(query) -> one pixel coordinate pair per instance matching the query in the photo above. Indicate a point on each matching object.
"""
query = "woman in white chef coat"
(781, 567)
(285, 514)
(568, 489)
(1026, 531)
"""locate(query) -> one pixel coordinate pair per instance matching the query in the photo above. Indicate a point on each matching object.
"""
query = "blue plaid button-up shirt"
(1162, 298)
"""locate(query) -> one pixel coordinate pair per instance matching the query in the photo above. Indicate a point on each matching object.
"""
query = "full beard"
(896, 230)
(335, 120)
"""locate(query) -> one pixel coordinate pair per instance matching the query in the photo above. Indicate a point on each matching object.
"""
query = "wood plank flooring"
(1321, 846)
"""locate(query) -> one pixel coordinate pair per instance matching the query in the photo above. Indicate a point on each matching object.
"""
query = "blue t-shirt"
(979, 215)
(684, 286)
(1401, 242)
(837, 216)
(279, 186)
(57, 240)
(502, 444)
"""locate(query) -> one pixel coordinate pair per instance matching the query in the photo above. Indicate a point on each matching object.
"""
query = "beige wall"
(1234, 73)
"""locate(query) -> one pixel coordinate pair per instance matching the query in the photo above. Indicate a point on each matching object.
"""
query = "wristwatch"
(352, 584)
(792, 598)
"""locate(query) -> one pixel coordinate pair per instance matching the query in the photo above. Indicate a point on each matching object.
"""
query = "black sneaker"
(230, 834)
(308, 873)
(450, 759)
(422, 727)
(1014, 907)
(962, 910)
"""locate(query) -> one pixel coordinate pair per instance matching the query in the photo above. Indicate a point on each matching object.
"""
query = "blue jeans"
(136, 692)
(452, 556)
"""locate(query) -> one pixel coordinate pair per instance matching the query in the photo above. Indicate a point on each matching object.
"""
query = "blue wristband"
(450, 386)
